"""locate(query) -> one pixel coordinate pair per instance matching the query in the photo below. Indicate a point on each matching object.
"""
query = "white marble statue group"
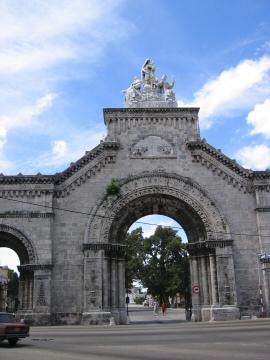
(150, 91)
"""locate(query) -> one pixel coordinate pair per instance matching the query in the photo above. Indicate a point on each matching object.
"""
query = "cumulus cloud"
(254, 157)
(59, 148)
(62, 152)
(3, 137)
(237, 87)
(259, 118)
(25, 116)
(148, 229)
(40, 34)
(37, 39)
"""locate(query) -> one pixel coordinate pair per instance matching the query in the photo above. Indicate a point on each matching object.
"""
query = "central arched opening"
(157, 271)
(159, 204)
(184, 217)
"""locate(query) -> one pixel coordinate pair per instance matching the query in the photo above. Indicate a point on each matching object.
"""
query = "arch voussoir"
(23, 239)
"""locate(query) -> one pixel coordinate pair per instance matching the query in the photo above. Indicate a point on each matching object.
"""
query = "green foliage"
(159, 262)
(139, 300)
(113, 188)
(134, 252)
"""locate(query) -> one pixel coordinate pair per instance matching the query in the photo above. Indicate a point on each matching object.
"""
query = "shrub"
(139, 300)
(113, 188)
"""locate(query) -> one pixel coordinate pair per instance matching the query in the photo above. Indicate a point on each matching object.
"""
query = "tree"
(160, 262)
(134, 257)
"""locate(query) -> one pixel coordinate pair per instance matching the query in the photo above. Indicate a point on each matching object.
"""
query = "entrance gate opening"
(157, 270)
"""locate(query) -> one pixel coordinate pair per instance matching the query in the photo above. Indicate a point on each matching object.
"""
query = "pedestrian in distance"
(155, 304)
(164, 308)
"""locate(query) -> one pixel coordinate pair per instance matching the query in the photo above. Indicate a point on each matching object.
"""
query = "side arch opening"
(20, 299)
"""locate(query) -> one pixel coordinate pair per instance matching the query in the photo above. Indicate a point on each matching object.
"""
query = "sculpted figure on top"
(150, 91)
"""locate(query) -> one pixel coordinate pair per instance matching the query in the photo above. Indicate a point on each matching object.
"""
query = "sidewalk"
(143, 314)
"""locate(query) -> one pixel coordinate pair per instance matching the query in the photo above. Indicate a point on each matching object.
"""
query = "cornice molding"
(263, 209)
(25, 214)
(26, 179)
(152, 111)
(65, 182)
(85, 160)
(110, 249)
(34, 267)
(208, 246)
(220, 164)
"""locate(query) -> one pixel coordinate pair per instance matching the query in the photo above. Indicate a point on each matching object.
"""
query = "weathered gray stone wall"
(149, 141)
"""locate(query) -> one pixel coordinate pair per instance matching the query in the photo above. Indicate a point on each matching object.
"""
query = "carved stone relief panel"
(92, 280)
(152, 147)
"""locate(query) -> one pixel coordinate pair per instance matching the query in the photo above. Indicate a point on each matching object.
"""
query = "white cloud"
(259, 118)
(237, 87)
(5, 165)
(40, 34)
(20, 118)
(3, 137)
(59, 148)
(9, 258)
(63, 152)
(40, 41)
(25, 116)
(160, 220)
(254, 157)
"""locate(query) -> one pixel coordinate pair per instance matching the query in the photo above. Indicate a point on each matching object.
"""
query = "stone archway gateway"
(181, 199)
(71, 231)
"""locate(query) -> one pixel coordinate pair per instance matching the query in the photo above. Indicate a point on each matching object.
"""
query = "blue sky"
(62, 62)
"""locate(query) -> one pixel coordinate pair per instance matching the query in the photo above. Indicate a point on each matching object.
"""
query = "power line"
(109, 217)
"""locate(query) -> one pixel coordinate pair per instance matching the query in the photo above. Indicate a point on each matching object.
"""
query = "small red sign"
(195, 289)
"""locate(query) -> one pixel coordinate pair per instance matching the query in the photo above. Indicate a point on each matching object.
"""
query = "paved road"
(241, 340)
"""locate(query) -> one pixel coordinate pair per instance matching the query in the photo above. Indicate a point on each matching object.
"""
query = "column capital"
(110, 249)
(34, 267)
(208, 246)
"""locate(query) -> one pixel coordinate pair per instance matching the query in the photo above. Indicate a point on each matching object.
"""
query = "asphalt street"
(245, 339)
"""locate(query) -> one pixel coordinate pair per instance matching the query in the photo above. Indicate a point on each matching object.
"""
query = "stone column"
(121, 291)
(227, 309)
(42, 294)
(226, 277)
(92, 280)
(24, 292)
(26, 289)
(114, 284)
(31, 293)
(213, 276)
(196, 301)
(121, 283)
(20, 295)
(103, 282)
(106, 283)
(35, 293)
(204, 281)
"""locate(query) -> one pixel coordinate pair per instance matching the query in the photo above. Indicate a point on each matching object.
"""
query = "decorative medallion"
(152, 147)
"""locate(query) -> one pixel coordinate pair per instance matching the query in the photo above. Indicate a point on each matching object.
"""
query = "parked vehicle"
(11, 330)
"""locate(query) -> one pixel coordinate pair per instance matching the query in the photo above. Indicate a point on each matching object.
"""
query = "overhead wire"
(109, 217)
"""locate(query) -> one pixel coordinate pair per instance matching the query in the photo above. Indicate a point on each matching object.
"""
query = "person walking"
(155, 304)
(164, 308)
